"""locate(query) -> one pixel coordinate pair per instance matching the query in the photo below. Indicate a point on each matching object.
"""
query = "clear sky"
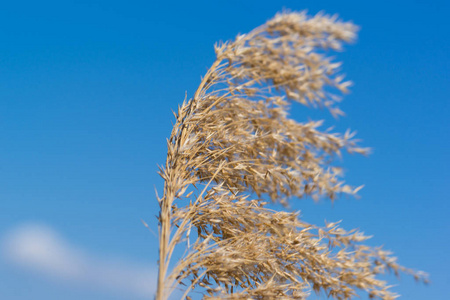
(86, 92)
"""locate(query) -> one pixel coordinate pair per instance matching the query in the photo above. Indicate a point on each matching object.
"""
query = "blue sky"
(86, 92)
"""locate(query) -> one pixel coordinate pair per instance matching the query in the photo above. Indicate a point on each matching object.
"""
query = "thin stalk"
(168, 198)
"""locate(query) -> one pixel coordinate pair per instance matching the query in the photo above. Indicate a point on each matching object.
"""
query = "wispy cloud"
(41, 249)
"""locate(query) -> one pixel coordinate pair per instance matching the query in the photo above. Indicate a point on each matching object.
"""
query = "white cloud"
(41, 249)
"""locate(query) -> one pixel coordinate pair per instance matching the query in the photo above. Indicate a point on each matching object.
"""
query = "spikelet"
(234, 149)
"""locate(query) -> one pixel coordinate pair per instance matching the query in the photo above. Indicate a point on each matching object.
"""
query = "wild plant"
(234, 149)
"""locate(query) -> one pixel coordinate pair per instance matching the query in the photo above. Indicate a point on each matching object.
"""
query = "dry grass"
(233, 145)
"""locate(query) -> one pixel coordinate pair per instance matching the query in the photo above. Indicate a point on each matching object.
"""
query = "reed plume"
(234, 149)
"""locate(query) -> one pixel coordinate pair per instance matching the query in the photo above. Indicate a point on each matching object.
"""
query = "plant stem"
(170, 187)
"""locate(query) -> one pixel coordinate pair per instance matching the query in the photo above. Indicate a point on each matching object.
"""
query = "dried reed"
(233, 146)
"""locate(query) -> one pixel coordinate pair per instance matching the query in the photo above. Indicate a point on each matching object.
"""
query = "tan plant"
(234, 148)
